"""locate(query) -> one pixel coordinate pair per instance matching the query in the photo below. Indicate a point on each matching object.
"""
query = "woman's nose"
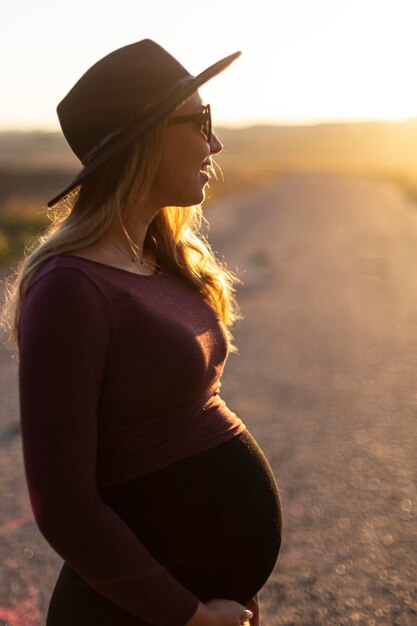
(216, 145)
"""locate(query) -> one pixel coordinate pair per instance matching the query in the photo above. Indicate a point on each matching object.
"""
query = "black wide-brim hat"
(120, 97)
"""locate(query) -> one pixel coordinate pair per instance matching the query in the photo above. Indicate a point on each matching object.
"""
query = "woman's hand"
(220, 612)
(253, 606)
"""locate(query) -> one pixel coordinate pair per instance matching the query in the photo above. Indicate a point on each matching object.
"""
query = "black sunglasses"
(203, 117)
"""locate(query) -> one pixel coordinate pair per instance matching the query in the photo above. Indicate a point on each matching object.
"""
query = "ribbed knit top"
(119, 375)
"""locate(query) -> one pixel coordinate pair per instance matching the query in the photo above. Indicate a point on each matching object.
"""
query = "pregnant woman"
(154, 493)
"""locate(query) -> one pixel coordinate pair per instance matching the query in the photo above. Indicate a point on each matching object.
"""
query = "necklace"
(133, 257)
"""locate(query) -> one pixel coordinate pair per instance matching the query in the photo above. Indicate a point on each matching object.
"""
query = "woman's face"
(182, 174)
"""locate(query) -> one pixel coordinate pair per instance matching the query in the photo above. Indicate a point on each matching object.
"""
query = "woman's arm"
(64, 335)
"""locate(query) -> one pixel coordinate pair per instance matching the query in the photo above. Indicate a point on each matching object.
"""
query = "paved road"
(326, 380)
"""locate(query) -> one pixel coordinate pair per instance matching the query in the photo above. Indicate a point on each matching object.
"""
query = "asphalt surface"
(326, 381)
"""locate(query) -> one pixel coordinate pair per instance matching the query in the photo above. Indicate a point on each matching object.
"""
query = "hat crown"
(114, 90)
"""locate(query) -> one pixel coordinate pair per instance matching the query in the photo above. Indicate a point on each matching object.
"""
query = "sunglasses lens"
(207, 123)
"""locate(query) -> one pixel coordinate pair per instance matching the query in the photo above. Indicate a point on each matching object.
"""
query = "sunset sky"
(303, 61)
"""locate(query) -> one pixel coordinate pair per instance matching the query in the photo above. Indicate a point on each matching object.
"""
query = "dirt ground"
(326, 381)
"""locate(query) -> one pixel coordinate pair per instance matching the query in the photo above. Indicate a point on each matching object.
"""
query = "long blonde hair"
(108, 198)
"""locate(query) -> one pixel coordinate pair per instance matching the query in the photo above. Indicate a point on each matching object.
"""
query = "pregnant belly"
(213, 520)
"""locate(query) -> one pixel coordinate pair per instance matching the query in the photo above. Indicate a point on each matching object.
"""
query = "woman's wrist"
(202, 617)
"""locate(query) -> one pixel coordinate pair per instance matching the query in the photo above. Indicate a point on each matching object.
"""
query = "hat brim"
(144, 120)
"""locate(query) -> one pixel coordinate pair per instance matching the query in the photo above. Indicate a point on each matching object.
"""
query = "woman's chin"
(204, 177)
(197, 197)
(193, 196)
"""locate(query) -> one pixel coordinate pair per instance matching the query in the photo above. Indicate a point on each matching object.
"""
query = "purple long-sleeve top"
(119, 375)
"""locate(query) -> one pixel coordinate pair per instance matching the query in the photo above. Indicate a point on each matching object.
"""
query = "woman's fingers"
(254, 606)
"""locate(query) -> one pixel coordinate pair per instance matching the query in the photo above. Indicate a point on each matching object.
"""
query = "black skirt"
(213, 520)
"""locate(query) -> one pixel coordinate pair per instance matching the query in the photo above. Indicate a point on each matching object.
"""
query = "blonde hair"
(108, 198)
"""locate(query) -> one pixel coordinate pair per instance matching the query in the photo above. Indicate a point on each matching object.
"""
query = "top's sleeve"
(64, 333)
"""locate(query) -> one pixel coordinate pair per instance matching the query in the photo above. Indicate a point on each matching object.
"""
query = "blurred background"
(317, 216)
(323, 85)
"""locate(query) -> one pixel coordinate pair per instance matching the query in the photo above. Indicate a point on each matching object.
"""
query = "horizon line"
(46, 129)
